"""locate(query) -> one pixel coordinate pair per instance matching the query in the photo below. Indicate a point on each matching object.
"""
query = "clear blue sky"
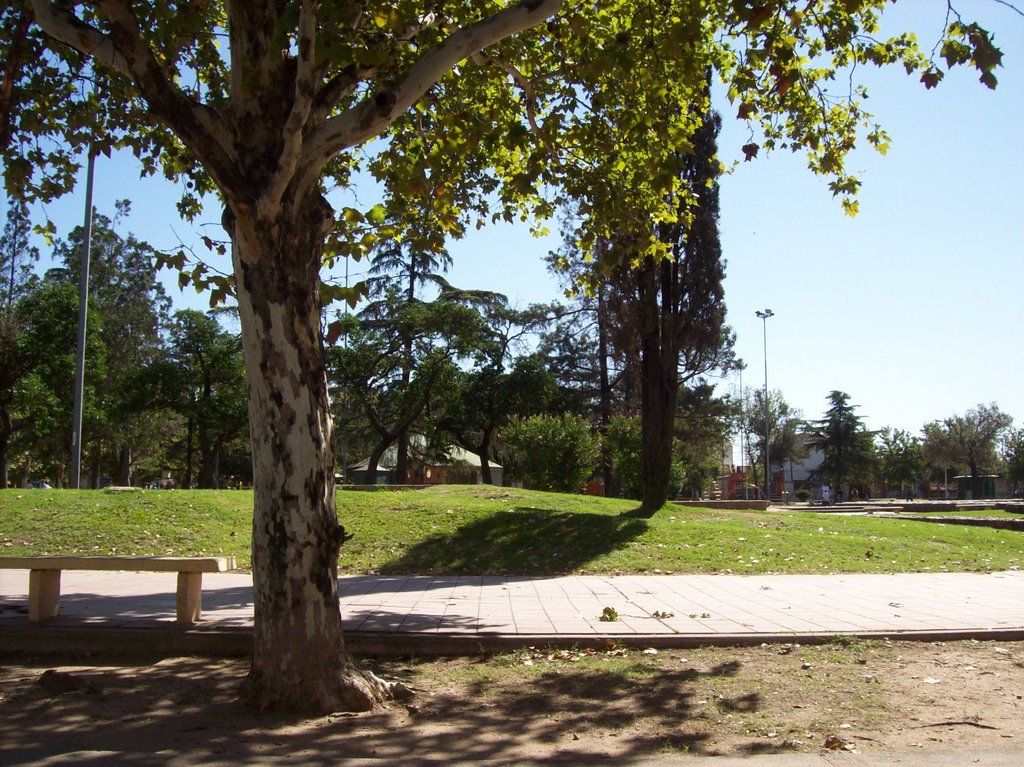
(915, 307)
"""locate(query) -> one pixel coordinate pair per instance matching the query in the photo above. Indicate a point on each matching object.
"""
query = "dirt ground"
(538, 705)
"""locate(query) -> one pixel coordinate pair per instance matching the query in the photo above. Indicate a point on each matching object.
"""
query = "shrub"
(624, 445)
(555, 453)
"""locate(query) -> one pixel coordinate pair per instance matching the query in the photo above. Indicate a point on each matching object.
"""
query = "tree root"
(354, 690)
(966, 722)
(396, 691)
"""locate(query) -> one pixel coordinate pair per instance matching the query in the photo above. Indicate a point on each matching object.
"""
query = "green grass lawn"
(983, 513)
(494, 530)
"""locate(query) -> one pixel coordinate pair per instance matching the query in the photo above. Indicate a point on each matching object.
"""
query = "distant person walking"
(826, 495)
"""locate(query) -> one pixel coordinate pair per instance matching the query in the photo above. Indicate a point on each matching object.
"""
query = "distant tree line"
(560, 394)
(980, 442)
(164, 393)
(619, 373)
(551, 392)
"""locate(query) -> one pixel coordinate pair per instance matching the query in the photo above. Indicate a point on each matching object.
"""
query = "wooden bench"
(44, 578)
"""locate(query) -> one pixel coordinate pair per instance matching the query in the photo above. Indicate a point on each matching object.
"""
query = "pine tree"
(846, 442)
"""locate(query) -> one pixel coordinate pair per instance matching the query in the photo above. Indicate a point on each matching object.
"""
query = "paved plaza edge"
(459, 615)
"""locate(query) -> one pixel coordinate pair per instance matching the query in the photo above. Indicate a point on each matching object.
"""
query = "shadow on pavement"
(234, 605)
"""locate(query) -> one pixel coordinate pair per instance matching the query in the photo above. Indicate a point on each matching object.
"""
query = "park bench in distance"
(44, 578)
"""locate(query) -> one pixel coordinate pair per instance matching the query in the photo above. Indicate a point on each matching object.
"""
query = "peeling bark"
(266, 146)
(299, 656)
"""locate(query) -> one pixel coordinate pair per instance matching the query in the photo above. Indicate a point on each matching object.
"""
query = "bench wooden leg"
(43, 594)
(190, 593)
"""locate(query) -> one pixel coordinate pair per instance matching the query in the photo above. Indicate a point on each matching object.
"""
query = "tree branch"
(529, 98)
(64, 26)
(1011, 6)
(126, 51)
(348, 80)
(292, 133)
(421, 24)
(377, 111)
(338, 87)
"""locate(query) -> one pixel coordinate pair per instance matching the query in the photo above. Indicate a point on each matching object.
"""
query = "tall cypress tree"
(674, 309)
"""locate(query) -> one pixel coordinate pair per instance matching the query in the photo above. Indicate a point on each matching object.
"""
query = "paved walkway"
(420, 615)
(664, 609)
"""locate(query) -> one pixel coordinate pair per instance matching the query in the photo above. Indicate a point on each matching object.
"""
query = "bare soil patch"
(538, 704)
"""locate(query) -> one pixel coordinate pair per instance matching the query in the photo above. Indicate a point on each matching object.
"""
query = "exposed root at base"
(396, 691)
(354, 691)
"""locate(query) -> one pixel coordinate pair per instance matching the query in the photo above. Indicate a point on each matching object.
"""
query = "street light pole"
(763, 316)
(744, 439)
(83, 313)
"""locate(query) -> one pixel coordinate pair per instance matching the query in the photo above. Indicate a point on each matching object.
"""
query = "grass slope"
(493, 530)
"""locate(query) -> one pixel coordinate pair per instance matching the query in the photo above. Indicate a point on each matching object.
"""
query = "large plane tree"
(266, 103)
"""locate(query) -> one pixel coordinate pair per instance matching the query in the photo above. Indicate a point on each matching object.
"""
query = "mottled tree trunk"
(299, 656)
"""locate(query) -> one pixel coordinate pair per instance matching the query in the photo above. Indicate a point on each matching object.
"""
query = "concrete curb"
(983, 758)
(161, 641)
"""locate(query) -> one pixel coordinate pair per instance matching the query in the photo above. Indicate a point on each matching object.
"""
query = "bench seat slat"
(137, 564)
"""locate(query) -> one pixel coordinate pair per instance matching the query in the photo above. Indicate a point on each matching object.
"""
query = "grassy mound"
(481, 529)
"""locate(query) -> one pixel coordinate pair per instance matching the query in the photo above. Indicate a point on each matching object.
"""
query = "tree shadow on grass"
(522, 541)
(641, 513)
